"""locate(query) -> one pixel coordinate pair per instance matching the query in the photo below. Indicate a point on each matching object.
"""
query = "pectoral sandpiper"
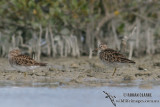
(22, 62)
(111, 57)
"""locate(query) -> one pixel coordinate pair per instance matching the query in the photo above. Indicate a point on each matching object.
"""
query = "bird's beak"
(95, 50)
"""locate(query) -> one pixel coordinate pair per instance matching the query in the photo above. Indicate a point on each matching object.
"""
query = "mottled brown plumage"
(22, 62)
(111, 57)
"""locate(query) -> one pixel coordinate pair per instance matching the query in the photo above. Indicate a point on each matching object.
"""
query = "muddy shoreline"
(83, 71)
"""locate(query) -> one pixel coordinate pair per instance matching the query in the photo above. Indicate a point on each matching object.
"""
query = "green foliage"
(28, 15)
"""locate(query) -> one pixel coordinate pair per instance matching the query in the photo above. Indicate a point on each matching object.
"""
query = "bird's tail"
(125, 60)
(41, 64)
(130, 61)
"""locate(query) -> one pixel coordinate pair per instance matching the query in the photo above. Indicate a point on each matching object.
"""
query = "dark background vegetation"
(75, 27)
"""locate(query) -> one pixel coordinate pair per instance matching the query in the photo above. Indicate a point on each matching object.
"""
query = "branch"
(144, 18)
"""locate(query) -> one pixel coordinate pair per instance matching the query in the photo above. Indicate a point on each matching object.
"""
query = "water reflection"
(42, 94)
(54, 84)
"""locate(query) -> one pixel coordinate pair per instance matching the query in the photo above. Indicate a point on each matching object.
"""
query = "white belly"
(24, 68)
(115, 64)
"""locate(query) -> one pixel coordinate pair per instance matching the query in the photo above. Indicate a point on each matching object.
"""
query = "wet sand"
(83, 72)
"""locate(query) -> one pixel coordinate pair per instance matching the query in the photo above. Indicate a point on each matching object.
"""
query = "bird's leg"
(25, 74)
(114, 71)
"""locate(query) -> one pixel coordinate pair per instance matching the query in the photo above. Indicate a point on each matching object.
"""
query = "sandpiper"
(22, 62)
(111, 57)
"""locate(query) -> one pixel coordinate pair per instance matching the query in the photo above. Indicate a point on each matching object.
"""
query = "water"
(33, 96)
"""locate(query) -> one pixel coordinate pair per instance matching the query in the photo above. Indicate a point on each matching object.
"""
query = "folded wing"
(114, 56)
(26, 61)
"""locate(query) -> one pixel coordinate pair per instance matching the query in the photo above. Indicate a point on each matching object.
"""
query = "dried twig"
(48, 42)
(39, 43)
(117, 43)
(54, 52)
(13, 41)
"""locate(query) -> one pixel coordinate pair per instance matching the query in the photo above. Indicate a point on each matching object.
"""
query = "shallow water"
(13, 94)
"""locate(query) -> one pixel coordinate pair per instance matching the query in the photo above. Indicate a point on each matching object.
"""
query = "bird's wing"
(24, 60)
(114, 56)
(114, 53)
